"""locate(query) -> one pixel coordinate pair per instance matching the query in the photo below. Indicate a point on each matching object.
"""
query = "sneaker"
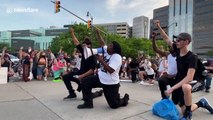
(142, 82)
(57, 80)
(207, 91)
(187, 116)
(45, 78)
(206, 105)
(79, 88)
(88, 104)
(70, 96)
(126, 99)
(97, 94)
(100, 92)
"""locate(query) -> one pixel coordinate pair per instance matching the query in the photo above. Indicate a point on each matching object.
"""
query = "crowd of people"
(104, 67)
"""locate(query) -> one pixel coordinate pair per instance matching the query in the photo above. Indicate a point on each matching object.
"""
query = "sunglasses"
(178, 40)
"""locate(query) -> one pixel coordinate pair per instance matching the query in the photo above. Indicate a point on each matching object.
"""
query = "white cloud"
(144, 7)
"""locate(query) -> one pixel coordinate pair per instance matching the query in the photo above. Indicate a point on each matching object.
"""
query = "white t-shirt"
(78, 62)
(163, 65)
(172, 65)
(147, 66)
(115, 62)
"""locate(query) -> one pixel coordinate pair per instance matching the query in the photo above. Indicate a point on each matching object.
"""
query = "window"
(174, 8)
(180, 7)
(186, 6)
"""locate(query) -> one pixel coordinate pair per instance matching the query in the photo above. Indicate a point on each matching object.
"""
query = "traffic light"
(89, 24)
(57, 6)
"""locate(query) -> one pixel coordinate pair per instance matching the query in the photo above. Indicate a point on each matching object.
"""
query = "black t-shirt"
(67, 59)
(86, 64)
(184, 63)
(6, 64)
(133, 65)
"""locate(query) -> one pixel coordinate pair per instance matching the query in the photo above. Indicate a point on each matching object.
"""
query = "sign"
(3, 75)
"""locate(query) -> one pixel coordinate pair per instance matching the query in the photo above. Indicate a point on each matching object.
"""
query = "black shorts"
(150, 76)
(178, 97)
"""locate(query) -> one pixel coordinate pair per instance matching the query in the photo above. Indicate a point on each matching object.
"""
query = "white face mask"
(29, 50)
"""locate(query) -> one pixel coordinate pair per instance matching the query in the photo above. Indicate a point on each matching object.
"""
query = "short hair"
(87, 41)
(184, 36)
(116, 47)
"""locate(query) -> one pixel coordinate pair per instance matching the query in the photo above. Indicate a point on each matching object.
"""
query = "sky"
(33, 14)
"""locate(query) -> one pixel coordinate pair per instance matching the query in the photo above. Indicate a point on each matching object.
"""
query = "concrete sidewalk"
(40, 100)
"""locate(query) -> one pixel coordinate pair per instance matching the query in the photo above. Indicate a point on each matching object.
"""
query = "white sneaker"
(144, 83)
(45, 78)
(141, 83)
(30, 76)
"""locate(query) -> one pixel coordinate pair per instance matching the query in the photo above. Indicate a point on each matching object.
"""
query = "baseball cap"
(184, 36)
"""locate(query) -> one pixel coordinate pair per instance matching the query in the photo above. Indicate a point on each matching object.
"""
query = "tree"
(3, 44)
(210, 53)
(130, 46)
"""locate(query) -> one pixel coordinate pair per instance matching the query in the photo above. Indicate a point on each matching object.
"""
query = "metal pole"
(79, 17)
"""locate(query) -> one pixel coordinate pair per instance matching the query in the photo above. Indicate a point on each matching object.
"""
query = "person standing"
(209, 68)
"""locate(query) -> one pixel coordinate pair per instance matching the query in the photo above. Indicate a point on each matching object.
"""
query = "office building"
(140, 27)
(35, 38)
(202, 26)
(120, 28)
(196, 18)
(161, 14)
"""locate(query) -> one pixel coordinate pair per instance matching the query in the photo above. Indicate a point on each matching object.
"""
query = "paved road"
(40, 100)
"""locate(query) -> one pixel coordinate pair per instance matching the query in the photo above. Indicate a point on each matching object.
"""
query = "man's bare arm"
(74, 39)
(162, 32)
(155, 48)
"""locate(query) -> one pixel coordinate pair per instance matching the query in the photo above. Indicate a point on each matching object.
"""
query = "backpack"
(166, 109)
(201, 70)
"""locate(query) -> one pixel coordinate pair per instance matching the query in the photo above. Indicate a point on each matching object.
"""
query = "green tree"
(130, 46)
(3, 44)
(210, 53)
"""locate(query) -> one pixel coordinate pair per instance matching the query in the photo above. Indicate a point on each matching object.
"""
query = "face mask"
(29, 50)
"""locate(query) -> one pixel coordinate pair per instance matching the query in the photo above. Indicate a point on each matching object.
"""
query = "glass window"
(180, 7)
(174, 8)
(186, 6)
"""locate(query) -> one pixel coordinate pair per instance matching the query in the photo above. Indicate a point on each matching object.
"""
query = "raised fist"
(154, 34)
(71, 29)
(157, 22)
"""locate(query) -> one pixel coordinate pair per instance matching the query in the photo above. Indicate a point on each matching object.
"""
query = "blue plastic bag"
(166, 109)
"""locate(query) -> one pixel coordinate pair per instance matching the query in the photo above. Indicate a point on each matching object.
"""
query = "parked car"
(13, 58)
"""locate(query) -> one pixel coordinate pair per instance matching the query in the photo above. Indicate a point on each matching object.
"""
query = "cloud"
(144, 7)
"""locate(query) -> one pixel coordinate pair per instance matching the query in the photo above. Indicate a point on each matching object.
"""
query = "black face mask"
(43, 56)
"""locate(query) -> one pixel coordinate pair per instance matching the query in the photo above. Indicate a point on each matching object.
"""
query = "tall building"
(140, 27)
(196, 18)
(203, 26)
(35, 38)
(181, 12)
(161, 14)
(120, 28)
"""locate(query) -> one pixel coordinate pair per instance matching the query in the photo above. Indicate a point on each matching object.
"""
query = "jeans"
(208, 82)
